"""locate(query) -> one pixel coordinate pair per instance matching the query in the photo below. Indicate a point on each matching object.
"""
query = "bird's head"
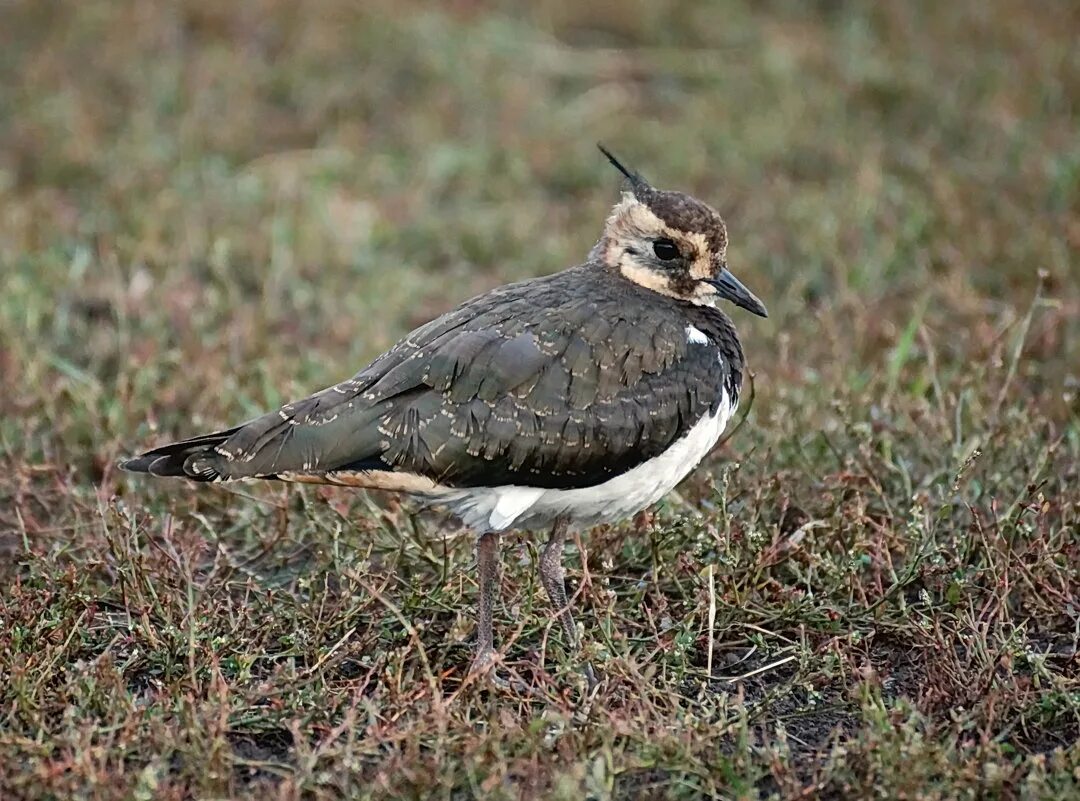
(670, 243)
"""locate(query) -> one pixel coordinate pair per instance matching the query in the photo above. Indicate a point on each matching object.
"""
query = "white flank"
(695, 336)
(510, 502)
(498, 508)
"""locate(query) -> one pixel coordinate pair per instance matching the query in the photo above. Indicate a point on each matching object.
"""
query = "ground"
(869, 591)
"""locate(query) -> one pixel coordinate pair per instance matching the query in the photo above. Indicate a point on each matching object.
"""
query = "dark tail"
(170, 460)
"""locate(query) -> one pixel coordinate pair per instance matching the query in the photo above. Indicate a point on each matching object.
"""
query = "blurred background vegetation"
(207, 209)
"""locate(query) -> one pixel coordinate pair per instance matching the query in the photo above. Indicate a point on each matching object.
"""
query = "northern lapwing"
(569, 400)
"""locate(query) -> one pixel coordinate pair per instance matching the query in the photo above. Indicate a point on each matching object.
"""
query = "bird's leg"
(553, 579)
(487, 558)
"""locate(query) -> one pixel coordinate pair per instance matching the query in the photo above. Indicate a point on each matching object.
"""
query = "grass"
(207, 210)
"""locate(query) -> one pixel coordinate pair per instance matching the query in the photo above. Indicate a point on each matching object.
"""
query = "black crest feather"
(637, 183)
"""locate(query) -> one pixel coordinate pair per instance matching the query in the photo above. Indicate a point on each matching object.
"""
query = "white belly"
(499, 508)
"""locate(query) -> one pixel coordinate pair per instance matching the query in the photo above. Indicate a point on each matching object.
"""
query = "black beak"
(731, 288)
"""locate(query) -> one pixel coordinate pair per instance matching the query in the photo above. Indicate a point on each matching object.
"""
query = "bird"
(567, 400)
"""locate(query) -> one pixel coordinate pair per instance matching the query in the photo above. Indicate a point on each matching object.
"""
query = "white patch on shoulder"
(695, 336)
(499, 508)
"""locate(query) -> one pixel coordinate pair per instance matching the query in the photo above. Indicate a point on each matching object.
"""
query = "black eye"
(665, 249)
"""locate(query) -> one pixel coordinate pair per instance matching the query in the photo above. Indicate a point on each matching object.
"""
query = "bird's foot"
(591, 679)
(484, 661)
(485, 666)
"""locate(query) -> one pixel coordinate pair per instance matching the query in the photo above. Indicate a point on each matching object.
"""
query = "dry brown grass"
(207, 209)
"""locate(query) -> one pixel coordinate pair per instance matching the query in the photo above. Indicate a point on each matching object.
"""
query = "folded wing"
(520, 386)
